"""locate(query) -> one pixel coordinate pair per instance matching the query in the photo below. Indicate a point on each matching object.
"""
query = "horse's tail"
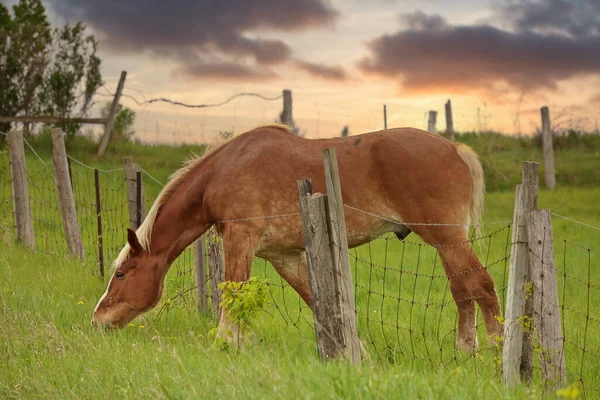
(478, 185)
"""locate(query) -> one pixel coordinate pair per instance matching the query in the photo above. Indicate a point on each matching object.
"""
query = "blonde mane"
(144, 232)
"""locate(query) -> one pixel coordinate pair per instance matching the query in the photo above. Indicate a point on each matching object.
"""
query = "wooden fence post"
(431, 122)
(449, 121)
(114, 107)
(341, 257)
(548, 149)
(286, 115)
(99, 222)
(131, 171)
(65, 194)
(517, 346)
(545, 298)
(216, 269)
(384, 116)
(330, 278)
(20, 189)
(200, 273)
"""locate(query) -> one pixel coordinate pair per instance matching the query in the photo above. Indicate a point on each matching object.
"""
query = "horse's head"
(135, 287)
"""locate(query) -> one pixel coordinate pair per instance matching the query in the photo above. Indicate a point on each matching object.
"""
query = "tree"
(124, 120)
(74, 73)
(45, 70)
(25, 41)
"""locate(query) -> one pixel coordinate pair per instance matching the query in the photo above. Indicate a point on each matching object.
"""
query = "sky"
(498, 61)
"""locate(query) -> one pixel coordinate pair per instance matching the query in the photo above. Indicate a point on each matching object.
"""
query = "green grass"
(49, 350)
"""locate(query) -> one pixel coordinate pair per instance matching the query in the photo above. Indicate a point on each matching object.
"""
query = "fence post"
(449, 121)
(517, 346)
(384, 116)
(20, 189)
(321, 273)
(65, 194)
(99, 222)
(548, 149)
(114, 107)
(431, 122)
(131, 171)
(200, 273)
(216, 269)
(286, 115)
(545, 298)
(341, 258)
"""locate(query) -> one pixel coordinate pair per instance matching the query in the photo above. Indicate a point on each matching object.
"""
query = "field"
(406, 318)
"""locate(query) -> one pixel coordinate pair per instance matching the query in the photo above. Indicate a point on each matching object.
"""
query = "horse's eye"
(120, 274)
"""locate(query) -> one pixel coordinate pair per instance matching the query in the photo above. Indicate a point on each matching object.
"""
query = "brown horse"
(396, 180)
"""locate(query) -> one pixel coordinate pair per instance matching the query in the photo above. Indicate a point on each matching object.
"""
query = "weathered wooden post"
(99, 222)
(65, 194)
(114, 107)
(286, 115)
(131, 179)
(20, 189)
(431, 122)
(384, 116)
(216, 269)
(517, 351)
(200, 273)
(545, 298)
(449, 121)
(548, 149)
(329, 266)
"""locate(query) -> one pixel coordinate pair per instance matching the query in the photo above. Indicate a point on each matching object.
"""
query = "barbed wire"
(574, 220)
(182, 104)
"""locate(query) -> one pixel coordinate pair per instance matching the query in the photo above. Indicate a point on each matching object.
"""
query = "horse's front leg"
(239, 247)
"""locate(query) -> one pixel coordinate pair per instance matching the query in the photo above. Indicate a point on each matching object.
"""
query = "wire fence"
(402, 297)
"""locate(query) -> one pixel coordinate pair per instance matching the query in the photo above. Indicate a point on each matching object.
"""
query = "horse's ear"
(136, 247)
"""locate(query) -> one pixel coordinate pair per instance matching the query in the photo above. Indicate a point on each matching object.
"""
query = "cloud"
(333, 73)
(224, 71)
(430, 55)
(216, 33)
(569, 17)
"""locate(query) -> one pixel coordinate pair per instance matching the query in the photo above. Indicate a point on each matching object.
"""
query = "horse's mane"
(144, 231)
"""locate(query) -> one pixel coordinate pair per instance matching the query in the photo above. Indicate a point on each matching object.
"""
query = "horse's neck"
(180, 221)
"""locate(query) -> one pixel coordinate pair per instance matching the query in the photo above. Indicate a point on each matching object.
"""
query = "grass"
(49, 350)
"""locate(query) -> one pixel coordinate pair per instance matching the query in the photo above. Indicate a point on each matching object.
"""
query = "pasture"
(406, 315)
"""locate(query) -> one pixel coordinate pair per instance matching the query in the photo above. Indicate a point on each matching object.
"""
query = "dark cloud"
(431, 55)
(570, 17)
(220, 32)
(224, 71)
(333, 73)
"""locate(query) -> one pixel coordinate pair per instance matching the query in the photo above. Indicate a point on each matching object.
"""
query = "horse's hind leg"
(468, 277)
(469, 281)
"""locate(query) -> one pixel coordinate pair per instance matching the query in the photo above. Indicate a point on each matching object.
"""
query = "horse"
(399, 180)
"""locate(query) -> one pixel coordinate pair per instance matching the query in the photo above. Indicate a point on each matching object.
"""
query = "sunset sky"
(498, 60)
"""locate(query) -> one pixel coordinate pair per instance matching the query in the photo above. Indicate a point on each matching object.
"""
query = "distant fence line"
(92, 217)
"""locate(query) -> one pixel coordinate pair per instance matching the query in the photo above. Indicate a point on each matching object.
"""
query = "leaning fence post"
(517, 348)
(200, 273)
(65, 194)
(20, 189)
(545, 298)
(131, 171)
